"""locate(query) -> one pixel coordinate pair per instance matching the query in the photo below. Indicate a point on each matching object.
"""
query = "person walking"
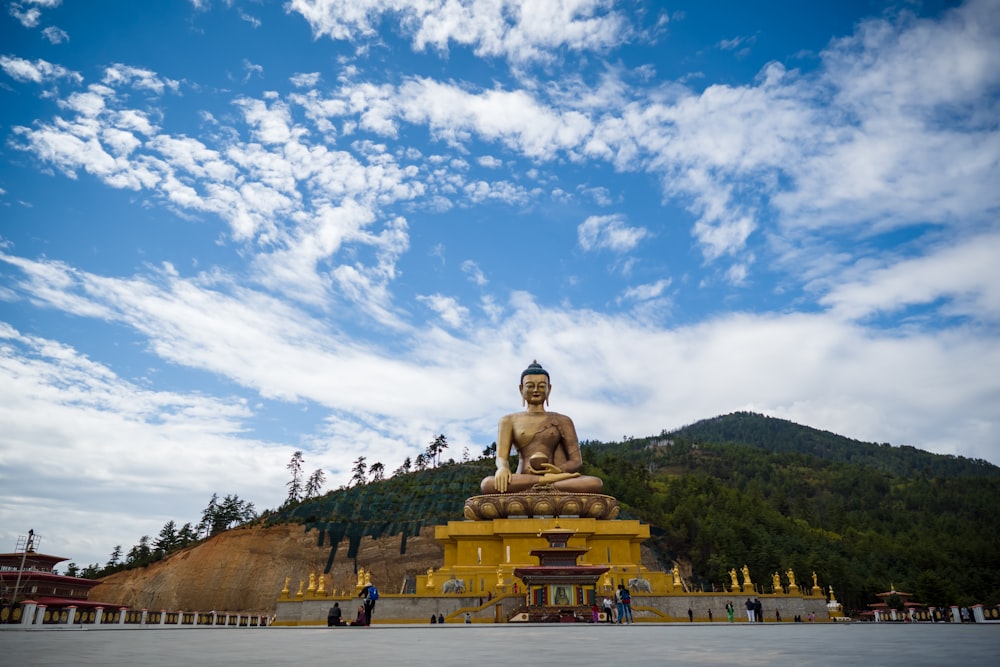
(627, 602)
(730, 611)
(370, 595)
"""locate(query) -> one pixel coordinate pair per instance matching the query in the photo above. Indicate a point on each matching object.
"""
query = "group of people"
(618, 610)
(335, 617)
(755, 610)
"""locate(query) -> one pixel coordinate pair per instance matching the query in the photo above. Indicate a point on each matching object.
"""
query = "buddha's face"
(535, 389)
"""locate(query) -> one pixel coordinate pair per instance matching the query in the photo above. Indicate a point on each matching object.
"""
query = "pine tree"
(359, 471)
(295, 483)
(315, 483)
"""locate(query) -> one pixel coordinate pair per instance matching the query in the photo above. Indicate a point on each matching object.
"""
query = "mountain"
(779, 435)
(724, 492)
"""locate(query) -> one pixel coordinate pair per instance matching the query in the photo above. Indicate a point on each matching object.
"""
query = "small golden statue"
(284, 591)
(312, 582)
(499, 576)
(430, 577)
(677, 576)
(776, 583)
(368, 578)
(321, 587)
(747, 584)
(792, 586)
(361, 577)
(736, 585)
(302, 585)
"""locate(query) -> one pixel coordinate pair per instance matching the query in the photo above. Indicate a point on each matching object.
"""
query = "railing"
(31, 614)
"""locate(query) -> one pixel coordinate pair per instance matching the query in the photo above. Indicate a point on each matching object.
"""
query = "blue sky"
(230, 230)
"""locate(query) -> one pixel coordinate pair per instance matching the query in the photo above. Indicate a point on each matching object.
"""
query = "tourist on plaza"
(440, 618)
(360, 619)
(750, 609)
(730, 611)
(624, 599)
(709, 615)
(609, 610)
(370, 595)
(334, 617)
(690, 615)
(758, 610)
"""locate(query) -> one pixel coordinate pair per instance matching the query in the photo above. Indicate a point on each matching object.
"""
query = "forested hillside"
(794, 497)
(749, 489)
(780, 435)
(733, 490)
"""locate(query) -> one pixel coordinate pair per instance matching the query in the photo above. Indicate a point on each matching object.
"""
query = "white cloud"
(38, 71)
(519, 30)
(965, 274)
(648, 291)
(447, 308)
(55, 35)
(609, 232)
(476, 275)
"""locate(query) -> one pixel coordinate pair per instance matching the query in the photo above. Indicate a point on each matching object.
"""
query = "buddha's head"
(535, 386)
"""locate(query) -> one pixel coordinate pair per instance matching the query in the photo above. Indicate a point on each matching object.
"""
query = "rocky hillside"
(244, 569)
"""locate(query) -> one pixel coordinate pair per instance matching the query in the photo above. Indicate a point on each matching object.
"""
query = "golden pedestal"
(480, 556)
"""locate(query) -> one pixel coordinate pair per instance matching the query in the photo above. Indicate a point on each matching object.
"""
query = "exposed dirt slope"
(245, 569)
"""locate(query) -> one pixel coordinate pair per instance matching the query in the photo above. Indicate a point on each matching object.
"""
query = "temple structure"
(558, 588)
(28, 580)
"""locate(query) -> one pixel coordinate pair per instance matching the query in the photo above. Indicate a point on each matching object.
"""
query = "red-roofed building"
(27, 575)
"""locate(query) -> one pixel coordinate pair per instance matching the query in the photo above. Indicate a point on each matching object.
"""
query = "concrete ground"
(768, 644)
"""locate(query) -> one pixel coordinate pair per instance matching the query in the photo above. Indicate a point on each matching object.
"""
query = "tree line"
(232, 511)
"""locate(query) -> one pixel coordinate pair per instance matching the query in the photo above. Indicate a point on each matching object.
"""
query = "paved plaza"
(800, 644)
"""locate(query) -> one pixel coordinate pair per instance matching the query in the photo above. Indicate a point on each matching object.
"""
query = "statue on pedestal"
(776, 583)
(792, 586)
(747, 584)
(547, 481)
(546, 443)
(735, 588)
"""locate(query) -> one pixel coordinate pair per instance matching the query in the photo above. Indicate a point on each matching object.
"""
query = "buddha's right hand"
(501, 479)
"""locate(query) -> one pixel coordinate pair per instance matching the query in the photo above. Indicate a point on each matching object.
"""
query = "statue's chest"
(539, 429)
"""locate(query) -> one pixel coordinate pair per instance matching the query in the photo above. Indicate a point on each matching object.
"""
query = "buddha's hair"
(535, 368)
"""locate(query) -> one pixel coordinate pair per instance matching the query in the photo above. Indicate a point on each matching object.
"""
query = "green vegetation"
(721, 493)
(745, 488)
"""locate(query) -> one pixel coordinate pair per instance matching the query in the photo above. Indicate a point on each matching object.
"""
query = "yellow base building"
(480, 556)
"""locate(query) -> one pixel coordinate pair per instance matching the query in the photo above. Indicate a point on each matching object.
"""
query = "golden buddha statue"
(546, 443)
